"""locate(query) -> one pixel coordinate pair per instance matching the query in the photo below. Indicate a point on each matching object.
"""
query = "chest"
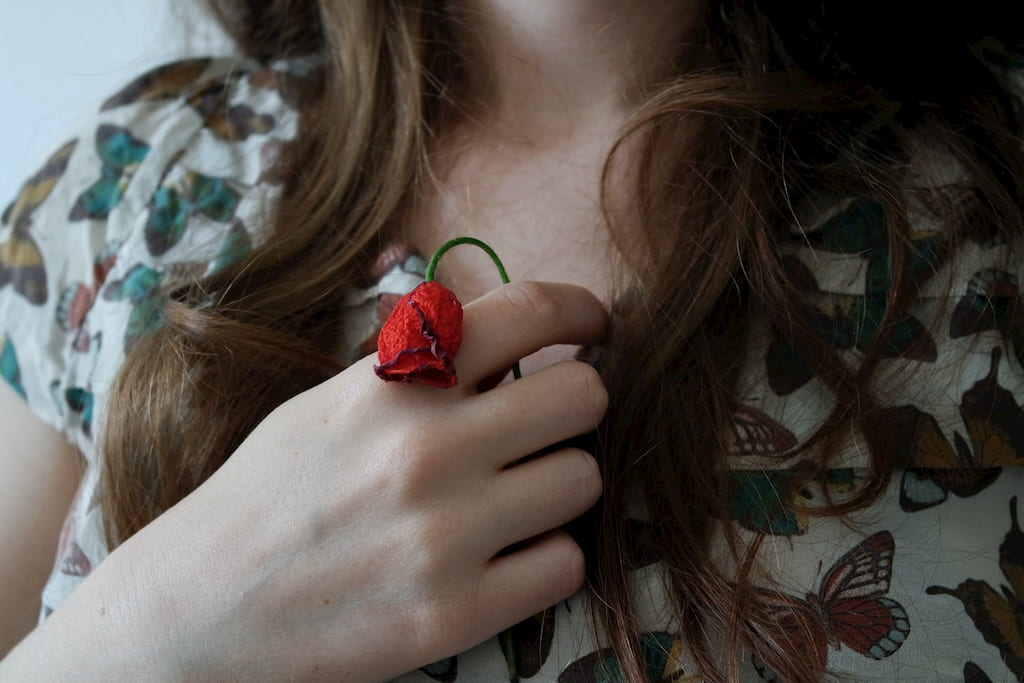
(540, 210)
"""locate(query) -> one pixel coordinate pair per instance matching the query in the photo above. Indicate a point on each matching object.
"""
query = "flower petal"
(420, 338)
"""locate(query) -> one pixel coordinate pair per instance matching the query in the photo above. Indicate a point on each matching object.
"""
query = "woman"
(803, 223)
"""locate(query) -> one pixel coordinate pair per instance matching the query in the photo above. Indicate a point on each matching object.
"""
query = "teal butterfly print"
(120, 153)
(846, 322)
(81, 401)
(922, 488)
(173, 203)
(9, 369)
(761, 501)
(859, 228)
(140, 286)
(237, 245)
(854, 321)
(773, 501)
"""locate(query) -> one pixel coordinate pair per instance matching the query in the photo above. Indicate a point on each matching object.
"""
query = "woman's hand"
(359, 530)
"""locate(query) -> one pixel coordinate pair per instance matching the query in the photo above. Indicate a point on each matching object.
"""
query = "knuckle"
(571, 570)
(533, 301)
(588, 389)
(438, 527)
(411, 468)
(589, 482)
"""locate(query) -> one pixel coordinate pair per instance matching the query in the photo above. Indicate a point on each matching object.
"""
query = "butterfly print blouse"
(171, 180)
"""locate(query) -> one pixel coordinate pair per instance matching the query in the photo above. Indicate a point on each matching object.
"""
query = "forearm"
(112, 628)
(139, 616)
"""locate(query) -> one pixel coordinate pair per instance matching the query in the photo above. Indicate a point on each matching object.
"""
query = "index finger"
(517, 319)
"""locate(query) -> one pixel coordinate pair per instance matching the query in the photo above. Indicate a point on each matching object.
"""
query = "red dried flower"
(420, 338)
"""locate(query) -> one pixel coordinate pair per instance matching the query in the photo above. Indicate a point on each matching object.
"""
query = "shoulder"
(215, 117)
(173, 176)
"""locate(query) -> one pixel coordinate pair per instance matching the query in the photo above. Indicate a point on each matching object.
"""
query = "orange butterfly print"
(998, 612)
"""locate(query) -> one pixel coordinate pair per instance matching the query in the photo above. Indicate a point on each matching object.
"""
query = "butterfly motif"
(162, 83)
(857, 227)
(769, 501)
(233, 122)
(296, 85)
(992, 302)
(73, 560)
(174, 202)
(446, 670)
(995, 438)
(994, 420)
(846, 322)
(527, 644)
(9, 369)
(662, 653)
(773, 501)
(913, 436)
(922, 488)
(236, 246)
(854, 321)
(273, 167)
(21, 263)
(140, 286)
(999, 614)
(754, 433)
(849, 609)
(77, 299)
(208, 97)
(975, 674)
(81, 402)
(121, 153)
(395, 271)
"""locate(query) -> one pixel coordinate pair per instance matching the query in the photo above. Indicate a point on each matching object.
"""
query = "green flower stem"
(428, 275)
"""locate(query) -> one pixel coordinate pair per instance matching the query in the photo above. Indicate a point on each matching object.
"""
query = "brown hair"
(820, 100)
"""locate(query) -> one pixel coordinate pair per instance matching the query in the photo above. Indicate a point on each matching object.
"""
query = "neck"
(543, 65)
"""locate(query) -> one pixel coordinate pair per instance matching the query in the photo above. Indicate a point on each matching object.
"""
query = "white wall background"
(61, 58)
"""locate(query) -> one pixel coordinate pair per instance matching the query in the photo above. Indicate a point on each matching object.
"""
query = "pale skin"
(361, 512)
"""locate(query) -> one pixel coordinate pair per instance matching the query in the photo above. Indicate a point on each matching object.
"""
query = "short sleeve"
(171, 179)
